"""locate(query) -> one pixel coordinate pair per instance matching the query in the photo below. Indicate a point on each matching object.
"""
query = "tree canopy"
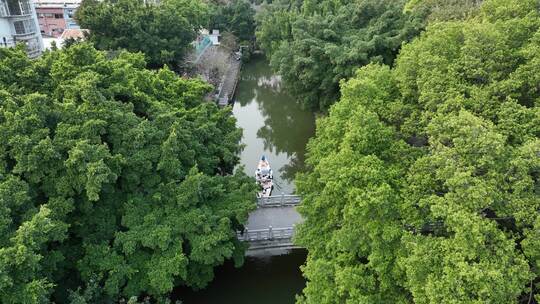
(318, 43)
(424, 180)
(236, 17)
(444, 10)
(113, 179)
(163, 31)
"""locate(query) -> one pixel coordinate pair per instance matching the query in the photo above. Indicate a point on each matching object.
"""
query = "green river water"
(275, 126)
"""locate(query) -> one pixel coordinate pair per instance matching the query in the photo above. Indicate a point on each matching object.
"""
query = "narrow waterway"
(261, 280)
(275, 126)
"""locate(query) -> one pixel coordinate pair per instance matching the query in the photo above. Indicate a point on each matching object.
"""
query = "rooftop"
(73, 33)
(57, 3)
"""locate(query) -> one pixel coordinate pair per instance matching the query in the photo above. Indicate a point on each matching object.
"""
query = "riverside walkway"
(272, 224)
(230, 81)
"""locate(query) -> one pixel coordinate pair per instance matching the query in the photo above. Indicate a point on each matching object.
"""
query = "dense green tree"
(441, 10)
(162, 31)
(424, 179)
(236, 17)
(113, 179)
(274, 26)
(323, 42)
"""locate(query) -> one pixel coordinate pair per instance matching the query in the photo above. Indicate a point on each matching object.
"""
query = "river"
(261, 280)
(275, 126)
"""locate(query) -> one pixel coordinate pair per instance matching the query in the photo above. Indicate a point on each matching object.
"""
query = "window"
(19, 27)
(23, 27)
(32, 45)
(58, 16)
(3, 9)
(19, 7)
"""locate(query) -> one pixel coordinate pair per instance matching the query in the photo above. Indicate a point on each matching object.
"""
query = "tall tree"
(323, 42)
(236, 17)
(162, 30)
(424, 179)
(113, 179)
(444, 10)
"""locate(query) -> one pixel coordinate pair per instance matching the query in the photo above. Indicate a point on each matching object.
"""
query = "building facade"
(18, 24)
(55, 16)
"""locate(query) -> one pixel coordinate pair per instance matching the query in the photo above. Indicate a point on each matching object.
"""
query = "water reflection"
(273, 82)
(274, 124)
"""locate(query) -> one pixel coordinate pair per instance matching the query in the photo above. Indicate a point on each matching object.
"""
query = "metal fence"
(201, 47)
(268, 234)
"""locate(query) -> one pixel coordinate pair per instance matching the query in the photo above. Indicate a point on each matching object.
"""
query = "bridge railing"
(266, 234)
(279, 201)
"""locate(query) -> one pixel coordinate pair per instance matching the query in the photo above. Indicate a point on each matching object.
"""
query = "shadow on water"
(274, 123)
(261, 280)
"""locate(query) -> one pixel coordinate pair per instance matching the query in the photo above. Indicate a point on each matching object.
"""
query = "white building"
(214, 37)
(19, 24)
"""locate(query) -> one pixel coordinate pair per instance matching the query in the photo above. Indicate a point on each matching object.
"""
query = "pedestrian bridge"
(279, 201)
(272, 224)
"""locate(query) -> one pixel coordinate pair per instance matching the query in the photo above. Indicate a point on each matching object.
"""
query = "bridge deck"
(282, 217)
(272, 224)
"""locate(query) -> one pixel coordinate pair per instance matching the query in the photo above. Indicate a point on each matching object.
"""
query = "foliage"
(163, 32)
(112, 179)
(236, 17)
(445, 10)
(317, 45)
(424, 180)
